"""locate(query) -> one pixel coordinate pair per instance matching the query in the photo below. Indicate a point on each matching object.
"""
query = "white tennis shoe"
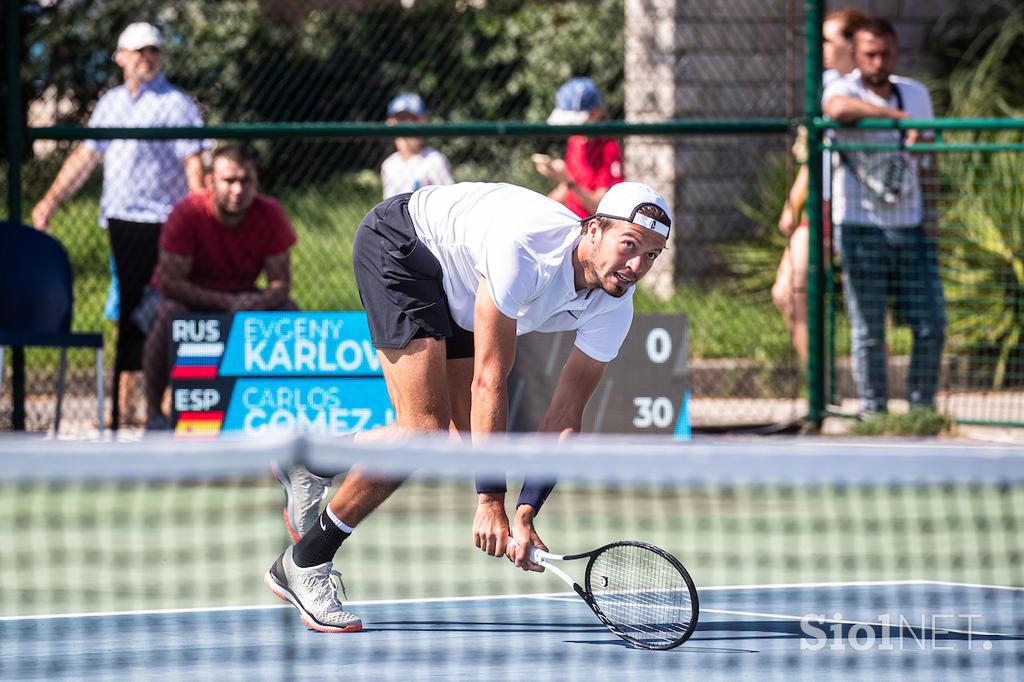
(303, 493)
(314, 592)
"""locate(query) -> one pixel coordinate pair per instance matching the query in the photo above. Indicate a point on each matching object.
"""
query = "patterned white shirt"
(143, 179)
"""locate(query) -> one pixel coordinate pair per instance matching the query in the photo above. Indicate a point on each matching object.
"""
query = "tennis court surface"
(812, 558)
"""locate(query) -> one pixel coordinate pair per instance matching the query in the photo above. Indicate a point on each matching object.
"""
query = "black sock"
(320, 543)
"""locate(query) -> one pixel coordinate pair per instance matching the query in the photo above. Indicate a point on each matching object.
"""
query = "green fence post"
(815, 271)
(13, 127)
(13, 134)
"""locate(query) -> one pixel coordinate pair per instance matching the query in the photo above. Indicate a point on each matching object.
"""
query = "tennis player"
(449, 276)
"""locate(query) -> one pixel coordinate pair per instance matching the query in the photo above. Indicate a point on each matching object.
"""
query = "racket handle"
(536, 555)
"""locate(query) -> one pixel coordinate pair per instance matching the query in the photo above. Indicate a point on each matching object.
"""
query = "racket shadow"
(689, 646)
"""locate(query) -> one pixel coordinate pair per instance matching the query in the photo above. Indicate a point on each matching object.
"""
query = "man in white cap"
(449, 276)
(142, 179)
(592, 164)
(412, 165)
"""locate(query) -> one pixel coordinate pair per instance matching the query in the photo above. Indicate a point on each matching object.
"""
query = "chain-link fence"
(742, 368)
(328, 62)
(940, 290)
(311, 83)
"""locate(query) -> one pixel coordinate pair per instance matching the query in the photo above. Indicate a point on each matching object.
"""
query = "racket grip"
(535, 555)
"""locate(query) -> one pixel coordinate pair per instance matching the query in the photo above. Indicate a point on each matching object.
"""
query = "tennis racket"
(639, 591)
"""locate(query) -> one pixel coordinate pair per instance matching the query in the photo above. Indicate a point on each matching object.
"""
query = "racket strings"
(642, 593)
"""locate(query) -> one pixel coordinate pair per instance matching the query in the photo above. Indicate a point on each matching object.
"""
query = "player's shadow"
(484, 626)
(532, 627)
(708, 631)
(791, 629)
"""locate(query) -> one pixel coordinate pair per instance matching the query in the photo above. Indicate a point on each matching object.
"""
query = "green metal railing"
(814, 13)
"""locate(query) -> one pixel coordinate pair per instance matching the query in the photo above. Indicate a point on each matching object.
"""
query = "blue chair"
(35, 310)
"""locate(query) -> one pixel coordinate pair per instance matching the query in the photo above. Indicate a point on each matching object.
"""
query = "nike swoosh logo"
(322, 526)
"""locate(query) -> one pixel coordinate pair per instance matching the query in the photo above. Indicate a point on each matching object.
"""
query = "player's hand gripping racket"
(641, 592)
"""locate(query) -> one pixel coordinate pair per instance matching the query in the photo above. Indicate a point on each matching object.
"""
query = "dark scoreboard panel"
(644, 389)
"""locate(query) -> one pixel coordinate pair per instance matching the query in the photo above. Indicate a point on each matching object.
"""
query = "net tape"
(801, 462)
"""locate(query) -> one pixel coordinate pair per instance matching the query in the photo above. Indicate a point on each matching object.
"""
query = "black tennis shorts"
(400, 282)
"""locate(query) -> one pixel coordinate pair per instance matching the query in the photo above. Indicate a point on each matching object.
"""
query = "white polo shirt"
(522, 243)
(852, 202)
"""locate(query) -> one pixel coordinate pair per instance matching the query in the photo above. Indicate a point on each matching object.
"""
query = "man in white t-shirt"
(879, 212)
(412, 166)
(449, 276)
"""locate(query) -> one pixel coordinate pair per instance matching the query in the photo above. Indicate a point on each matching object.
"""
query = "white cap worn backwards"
(623, 200)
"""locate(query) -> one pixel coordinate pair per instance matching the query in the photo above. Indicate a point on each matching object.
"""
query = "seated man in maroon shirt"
(213, 246)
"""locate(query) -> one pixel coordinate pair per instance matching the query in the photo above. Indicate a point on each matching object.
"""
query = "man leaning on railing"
(879, 210)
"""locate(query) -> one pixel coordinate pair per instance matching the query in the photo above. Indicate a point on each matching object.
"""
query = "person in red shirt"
(592, 164)
(213, 246)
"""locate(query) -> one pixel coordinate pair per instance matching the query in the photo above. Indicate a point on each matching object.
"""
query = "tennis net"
(810, 557)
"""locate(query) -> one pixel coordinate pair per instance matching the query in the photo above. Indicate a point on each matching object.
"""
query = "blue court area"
(899, 631)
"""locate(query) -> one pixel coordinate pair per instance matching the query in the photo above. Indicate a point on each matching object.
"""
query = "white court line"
(832, 621)
(862, 583)
(556, 596)
(977, 585)
(264, 607)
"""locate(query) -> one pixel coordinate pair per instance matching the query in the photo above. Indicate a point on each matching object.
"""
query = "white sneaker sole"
(312, 623)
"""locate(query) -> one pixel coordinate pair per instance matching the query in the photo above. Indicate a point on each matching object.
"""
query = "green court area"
(112, 547)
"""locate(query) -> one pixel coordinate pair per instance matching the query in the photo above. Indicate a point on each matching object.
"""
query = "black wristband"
(490, 483)
(535, 491)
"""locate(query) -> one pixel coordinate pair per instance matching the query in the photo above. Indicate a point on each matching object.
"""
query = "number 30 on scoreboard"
(657, 412)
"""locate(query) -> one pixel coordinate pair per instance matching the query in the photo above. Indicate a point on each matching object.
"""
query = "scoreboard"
(317, 372)
(644, 389)
(275, 372)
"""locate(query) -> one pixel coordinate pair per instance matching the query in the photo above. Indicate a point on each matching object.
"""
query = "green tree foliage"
(980, 59)
(249, 61)
(983, 215)
(753, 261)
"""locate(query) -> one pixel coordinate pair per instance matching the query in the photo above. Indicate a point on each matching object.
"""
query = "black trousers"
(135, 247)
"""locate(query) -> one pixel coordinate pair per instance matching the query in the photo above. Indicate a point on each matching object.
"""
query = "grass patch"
(724, 325)
(917, 422)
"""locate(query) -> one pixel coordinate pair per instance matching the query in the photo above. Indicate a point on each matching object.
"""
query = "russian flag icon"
(197, 361)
